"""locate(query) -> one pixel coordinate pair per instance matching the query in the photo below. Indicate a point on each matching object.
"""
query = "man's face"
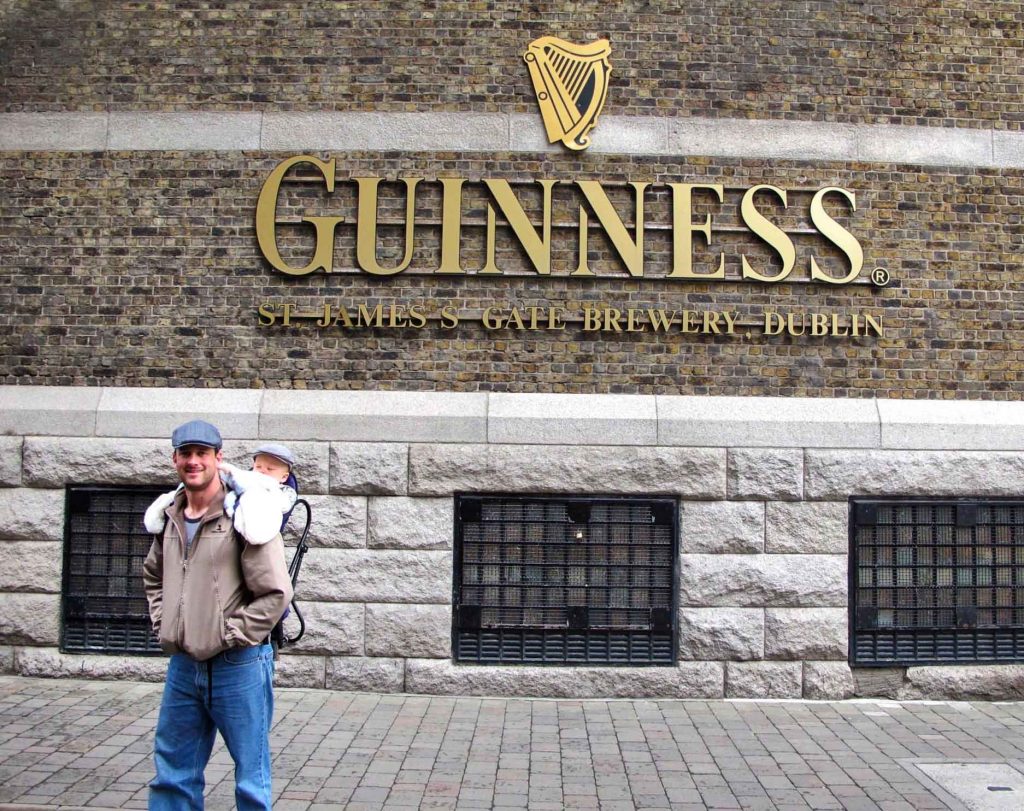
(270, 466)
(196, 466)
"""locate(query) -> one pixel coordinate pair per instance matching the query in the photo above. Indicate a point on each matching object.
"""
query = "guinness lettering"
(536, 238)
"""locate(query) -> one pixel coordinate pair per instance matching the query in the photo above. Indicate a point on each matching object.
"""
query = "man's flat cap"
(196, 432)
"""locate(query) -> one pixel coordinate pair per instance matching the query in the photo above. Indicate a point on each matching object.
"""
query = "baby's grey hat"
(277, 451)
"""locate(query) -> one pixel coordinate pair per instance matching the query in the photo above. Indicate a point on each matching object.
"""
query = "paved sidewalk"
(78, 743)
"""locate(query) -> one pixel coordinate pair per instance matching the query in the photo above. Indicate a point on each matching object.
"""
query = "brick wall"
(141, 268)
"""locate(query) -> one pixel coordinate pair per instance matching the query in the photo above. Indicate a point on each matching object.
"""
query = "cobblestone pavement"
(80, 743)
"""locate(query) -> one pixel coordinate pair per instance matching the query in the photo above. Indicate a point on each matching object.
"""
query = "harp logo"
(571, 83)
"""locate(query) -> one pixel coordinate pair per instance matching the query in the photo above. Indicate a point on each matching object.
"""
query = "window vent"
(936, 582)
(565, 580)
(103, 605)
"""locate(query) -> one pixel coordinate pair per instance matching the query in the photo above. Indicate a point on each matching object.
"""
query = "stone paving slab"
(67, 744)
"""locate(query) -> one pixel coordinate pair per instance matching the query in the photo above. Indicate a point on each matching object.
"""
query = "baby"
(258, 500)
(261, 498)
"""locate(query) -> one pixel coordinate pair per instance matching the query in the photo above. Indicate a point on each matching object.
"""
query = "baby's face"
(270, 466)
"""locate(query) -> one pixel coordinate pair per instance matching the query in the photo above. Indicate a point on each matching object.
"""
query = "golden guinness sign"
(571, 83)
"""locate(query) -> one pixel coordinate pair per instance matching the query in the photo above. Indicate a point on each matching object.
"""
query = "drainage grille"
(936, 582)
(565, 580)
(103, 605)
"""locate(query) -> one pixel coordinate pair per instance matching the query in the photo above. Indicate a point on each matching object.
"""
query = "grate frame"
(103, 603)
(936, 581)
(565, 579)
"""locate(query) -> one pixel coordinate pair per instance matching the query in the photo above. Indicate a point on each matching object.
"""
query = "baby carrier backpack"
(280, 637)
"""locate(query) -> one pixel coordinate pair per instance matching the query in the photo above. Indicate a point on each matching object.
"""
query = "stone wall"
(763, 486)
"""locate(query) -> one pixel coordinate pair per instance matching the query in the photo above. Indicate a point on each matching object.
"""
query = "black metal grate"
(103, 605)
(565, 580)
(936, 582)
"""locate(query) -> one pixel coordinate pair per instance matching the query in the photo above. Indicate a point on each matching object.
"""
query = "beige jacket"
(227, 593)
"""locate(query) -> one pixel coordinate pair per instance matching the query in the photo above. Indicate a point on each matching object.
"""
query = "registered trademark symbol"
(880, 277)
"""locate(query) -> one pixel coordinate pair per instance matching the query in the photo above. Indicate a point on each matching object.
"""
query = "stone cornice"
(517, 419)
(502, 132)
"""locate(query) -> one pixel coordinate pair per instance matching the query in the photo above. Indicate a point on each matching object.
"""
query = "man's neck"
(198, 502)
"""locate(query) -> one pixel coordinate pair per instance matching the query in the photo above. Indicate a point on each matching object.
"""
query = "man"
(213, 599)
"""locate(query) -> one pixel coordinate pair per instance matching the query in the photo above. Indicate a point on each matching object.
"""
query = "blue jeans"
(240, 706)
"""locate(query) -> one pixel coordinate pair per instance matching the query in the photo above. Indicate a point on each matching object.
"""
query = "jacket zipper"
(181, 591)
(184, 571)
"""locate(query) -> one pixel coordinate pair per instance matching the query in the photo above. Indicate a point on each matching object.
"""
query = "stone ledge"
(572, 419)
(500, 132)
(37, 132)
(928, 146)
(1008, 149)
(193, 130)
(631, 135)
(527, 134)
(408, 132)
(799, 140)
(374, 416)
(138, 412)
(745, 424)
(928, 425)
(776, 422)
(48, 410)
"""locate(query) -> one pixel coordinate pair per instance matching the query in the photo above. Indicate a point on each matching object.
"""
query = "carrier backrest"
(293, 483)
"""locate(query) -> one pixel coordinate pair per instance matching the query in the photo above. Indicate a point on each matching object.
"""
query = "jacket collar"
(176, 512)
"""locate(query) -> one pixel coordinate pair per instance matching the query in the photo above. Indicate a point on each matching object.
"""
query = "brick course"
(951, 64)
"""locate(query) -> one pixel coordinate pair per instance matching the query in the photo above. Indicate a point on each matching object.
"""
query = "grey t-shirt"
(191, 526)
